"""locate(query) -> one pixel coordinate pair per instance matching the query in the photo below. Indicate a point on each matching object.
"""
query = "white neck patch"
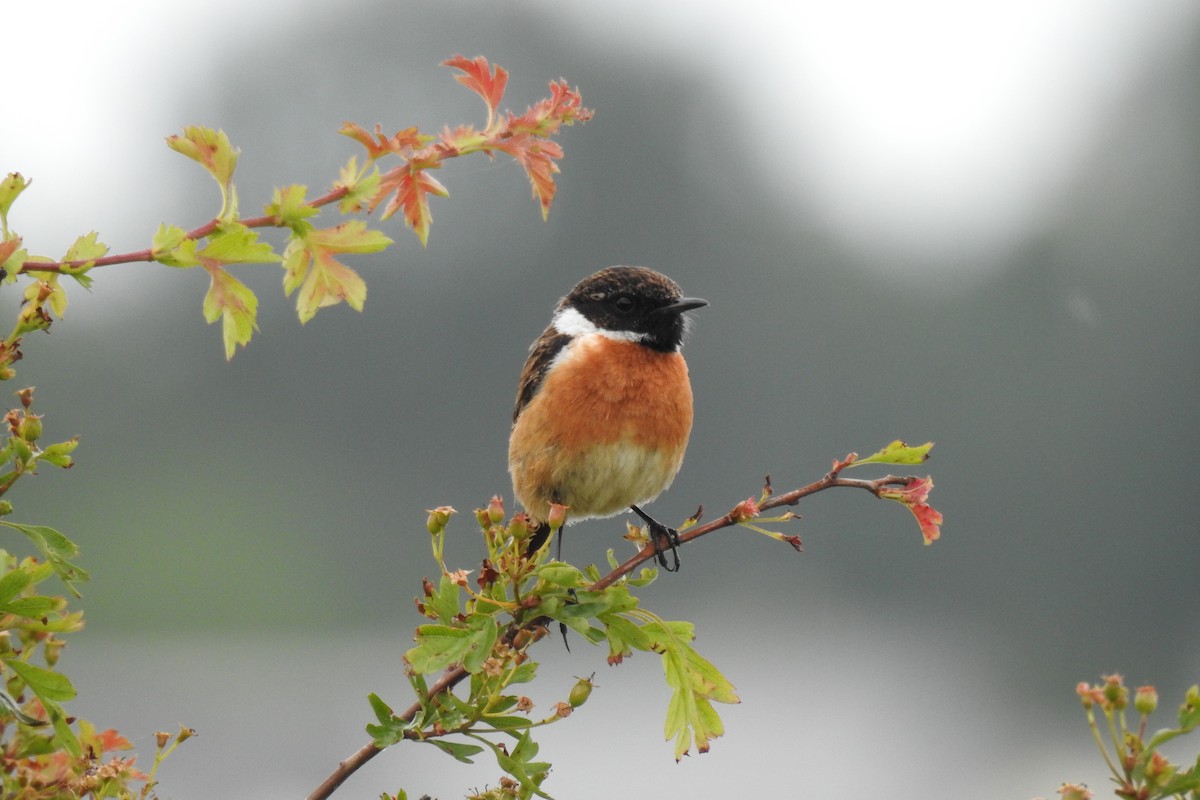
(570, 322)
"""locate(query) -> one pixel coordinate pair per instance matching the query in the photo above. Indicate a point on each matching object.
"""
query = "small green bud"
(438, 517)
(495, 510)
(581, 691)
(31, 427)
(518, 527)
(1145, 700)
(1115, 691)
(5, 508)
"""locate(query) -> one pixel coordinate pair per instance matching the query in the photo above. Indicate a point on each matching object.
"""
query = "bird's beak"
(681, 305)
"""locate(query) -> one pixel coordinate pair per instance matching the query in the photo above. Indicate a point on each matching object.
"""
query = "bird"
(604, 404)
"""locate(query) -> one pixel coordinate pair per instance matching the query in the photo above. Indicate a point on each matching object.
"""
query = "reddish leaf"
(929, 520)
(487, 82)
(564, 106)
(401, 143)
(536, 156)
(412, 184)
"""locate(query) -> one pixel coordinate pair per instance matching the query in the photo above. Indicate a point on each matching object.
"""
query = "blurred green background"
(975, 224)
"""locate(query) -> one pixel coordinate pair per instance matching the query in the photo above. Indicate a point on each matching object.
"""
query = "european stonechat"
(604, 406)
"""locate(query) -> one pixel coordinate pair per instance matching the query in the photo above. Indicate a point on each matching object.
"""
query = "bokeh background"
(973, 223)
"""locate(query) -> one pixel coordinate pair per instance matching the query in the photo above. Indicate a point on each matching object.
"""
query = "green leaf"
(507, 723)
(36, 607)
(437, 647)
(212, 150)
(359, 190)
(56, 549)
(460, 750)
(46, 684)
(444, 602)
(10, 189)
(288, 206)
(172, 247)
(898, 452)
(561, 574)
(383, 712)
(485, 630)
(87, 250)
(59, 454)
(234, 243)
(524, 673)
(695, 683)
(310, 265)
(231, 301)
(13, 583)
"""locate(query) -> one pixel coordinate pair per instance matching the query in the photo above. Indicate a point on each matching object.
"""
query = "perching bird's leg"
(661, 538)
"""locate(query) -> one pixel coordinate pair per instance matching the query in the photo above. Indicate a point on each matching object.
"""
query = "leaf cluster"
(44, 753)
(480, 630)
(313, 263)
(1137, 765)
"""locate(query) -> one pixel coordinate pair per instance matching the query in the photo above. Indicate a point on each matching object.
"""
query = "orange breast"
(608, 428)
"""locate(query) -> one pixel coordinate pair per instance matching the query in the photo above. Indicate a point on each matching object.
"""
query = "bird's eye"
(623, 303)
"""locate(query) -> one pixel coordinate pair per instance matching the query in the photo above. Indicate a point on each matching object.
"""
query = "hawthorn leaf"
(695, 683)
(10, 189)
(234, 243)
(59, 453)
(171, 247)
(232, 302)
(412, 185)
(310, 265)
(486, 81)
(56, 549)
(13, 583)
(359, 188)
(438, 646)
(209, 148)
(536, 156)
(46, 684)
(86, 248)
(289, 208)
(461, 751)
(898, 452)
(400, 143)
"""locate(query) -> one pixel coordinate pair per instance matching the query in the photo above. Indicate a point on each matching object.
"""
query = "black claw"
(662, 538)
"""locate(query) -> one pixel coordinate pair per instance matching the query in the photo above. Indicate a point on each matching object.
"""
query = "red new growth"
(476, 76)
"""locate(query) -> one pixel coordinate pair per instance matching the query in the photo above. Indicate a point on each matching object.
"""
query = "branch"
(830, 481)
(456, 674)
(208, 228)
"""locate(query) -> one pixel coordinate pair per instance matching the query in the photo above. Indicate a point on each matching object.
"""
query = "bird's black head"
(631, 302)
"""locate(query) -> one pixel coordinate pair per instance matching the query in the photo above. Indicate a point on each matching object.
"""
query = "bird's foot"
(662, 539)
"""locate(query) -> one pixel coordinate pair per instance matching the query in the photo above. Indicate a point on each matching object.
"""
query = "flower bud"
(161, 738)
(52, 649)
(518, 527)
(31, 428)
(1145, 700)
(1074, 791)
(438, 517)
(580, 692)
(1115, 691)
(481, 518)
(557, 516)
(495, 510)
